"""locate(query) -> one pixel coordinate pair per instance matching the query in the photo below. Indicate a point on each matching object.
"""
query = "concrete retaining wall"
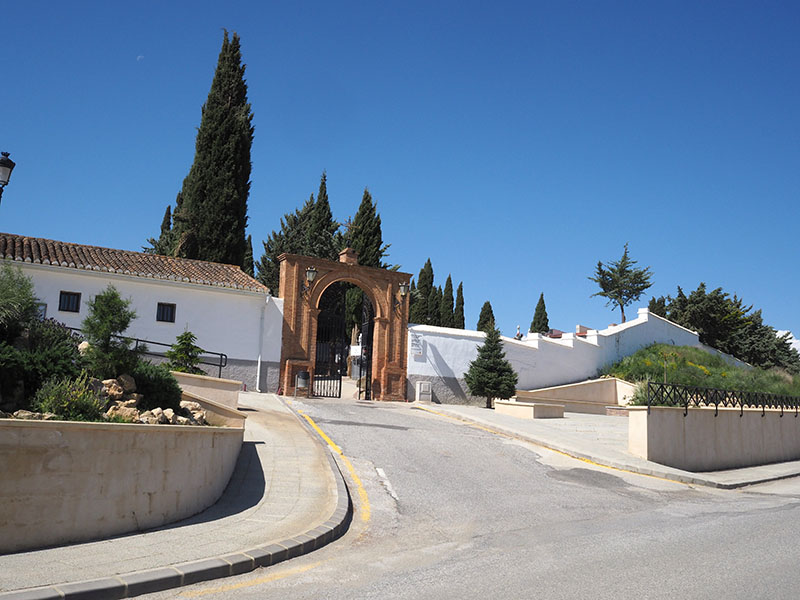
(221, 391)
(442, 355)
(702, 442)
(64, 482)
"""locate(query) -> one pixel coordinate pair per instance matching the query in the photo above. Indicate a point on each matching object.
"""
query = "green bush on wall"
(159, 386)
(70, 399)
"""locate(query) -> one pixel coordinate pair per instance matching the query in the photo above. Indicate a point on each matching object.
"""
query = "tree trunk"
(622, 310)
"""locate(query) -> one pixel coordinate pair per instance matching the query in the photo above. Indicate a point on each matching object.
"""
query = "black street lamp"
(6, 166)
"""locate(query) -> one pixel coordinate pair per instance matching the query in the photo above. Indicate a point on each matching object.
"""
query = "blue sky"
(515, 144)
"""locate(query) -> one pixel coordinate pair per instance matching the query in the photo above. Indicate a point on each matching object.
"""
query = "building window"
(69, 302)
(165, 312)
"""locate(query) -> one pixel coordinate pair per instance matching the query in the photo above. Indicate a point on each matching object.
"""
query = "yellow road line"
(516, 437)
(252, 582)
(364, 508)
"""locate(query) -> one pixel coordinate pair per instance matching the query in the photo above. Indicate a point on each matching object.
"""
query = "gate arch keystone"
(301, 310)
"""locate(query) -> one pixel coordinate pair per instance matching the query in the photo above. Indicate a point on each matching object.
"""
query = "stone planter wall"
(701, 442)
(221, 391)
(64, 482)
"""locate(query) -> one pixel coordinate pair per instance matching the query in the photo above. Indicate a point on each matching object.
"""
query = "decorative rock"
(148, 417)
(199, 417)
(170, 415)
(128, 384)
(183, 421)
(48, 416)
(97, 386)
(28, 415)
(125, 413)
(132, 400)
(113, 389)
(83, 348)
(189, 407)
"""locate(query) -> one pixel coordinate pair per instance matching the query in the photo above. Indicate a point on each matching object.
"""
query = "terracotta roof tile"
(137, 264)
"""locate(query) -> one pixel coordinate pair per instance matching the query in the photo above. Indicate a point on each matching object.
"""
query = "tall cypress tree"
(540, 322)
(446, 306)
(486, 318)
(164, 244)
(364, 235)
(319, 234)
(247, 267)
(419, 314)
(458, 316)
(211, 220)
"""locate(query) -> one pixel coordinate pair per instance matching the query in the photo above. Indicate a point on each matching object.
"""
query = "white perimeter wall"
(239, 323)
(440, 352)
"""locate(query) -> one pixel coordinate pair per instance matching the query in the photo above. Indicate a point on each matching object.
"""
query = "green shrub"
(184, 354)
(158, 385)
(109, 353)
(70, 399)
(692, 366)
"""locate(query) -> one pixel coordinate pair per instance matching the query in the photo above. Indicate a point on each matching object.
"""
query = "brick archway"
(301, 309)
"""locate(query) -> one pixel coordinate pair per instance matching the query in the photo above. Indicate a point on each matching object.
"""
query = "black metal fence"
(142, 347)
(673, 394)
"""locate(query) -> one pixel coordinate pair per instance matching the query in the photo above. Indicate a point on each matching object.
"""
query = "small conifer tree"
(184, 354)
(446, 305)
(490, 375)
(109, 353)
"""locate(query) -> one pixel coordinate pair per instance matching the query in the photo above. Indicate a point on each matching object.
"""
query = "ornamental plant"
(184, 354)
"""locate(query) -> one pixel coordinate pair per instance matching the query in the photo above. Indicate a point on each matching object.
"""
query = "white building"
(229, 312)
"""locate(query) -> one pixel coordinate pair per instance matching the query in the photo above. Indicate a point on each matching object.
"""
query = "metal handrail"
(674, 394)
(222, 360)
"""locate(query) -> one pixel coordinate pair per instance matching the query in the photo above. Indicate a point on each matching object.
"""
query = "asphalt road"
(455, 511)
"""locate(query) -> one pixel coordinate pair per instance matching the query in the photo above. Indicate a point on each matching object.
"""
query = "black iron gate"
(332, 351)
(367, 327)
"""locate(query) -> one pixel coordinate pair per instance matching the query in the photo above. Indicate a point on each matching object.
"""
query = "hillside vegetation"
(691, 366)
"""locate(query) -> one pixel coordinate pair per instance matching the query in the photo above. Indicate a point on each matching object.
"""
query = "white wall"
(439, 352)
(239, 323)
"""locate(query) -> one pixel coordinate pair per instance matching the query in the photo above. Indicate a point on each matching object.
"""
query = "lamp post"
(6, 166)
(311, 275)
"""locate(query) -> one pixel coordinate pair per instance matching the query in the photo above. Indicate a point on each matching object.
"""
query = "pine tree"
(458, 317)
(290, 239)
(184, 354)
(364, 235)
(621, 283)
(540, 323)
(248, 266)
(419, 314)
(490, 375)
(486, 318)
(321, 228)
(210, 222)
(446, 306)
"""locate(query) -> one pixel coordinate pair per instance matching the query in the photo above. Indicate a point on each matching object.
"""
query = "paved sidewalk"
(603, 440)
(284, 486)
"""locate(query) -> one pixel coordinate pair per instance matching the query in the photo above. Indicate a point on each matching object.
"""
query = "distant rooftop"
(136, 264)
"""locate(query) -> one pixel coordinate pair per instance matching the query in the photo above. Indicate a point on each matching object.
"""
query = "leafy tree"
(184, 354)
(446, 317)
(364, 235)
(658, 306)
(540, 323)
(17, 302)
(109, 353)
(490, 375)
(458, 311)
(419, 314)
(248, 266)
(620, 282)
(210, 221)
(486, 318)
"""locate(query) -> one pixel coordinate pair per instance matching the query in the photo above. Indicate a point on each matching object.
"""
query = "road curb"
(136, 583)
(652, 471)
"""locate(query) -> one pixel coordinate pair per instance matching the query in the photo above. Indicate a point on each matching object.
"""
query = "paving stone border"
(133, 584)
